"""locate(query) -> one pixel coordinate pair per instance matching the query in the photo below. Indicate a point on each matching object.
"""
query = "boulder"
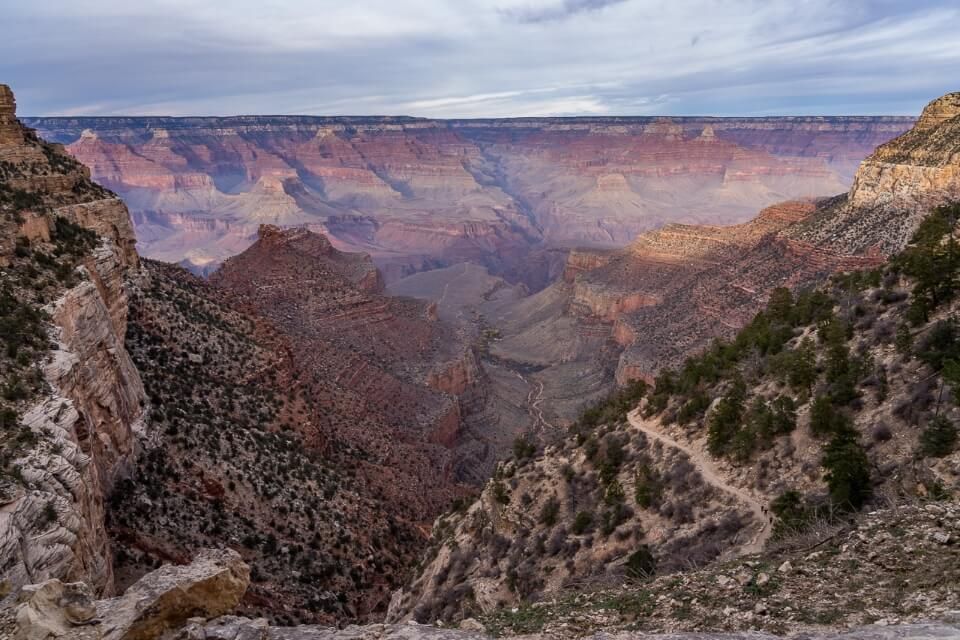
(163, 600)
(52, 609)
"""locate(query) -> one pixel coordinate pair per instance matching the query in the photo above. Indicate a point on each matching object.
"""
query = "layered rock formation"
(897, 184)
(369, 357)
(69, 381)
(418, 194)
(673, 290)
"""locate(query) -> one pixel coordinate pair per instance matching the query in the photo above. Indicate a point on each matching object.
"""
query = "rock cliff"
(380, 360)
(70, 385)
(895, 185)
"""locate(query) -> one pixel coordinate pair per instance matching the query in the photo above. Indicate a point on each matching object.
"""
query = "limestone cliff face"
(10, 133)
(87, 415)
(91, 367)
(919, 168)
(897, 184)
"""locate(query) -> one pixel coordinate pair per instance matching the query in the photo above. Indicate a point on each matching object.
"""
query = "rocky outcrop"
(87, 429)
(456, 376)
(374, 360)
(92, 367)
(10, 132)
(897, 184)
(161, 602)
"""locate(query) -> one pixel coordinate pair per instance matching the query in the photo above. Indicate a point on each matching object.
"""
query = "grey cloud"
(567, 9)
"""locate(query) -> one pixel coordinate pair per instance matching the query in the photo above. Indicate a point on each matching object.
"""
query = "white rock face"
(86, 426)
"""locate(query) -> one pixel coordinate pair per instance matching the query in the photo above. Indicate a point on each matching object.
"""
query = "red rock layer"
(370, 362)
(704, 282)
(420, 193)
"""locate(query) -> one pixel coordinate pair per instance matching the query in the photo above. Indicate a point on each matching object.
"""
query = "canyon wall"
(720, 277)
(419, 194)
(80, 418)
(673, 290)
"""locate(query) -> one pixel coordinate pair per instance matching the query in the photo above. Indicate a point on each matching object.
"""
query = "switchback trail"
(704, 465)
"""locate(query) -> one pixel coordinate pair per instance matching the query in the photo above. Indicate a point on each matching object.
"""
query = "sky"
(478, 58)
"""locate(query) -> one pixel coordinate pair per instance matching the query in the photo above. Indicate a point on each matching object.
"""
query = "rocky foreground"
(844, 583)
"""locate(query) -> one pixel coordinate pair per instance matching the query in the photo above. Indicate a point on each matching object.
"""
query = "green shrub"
(693, 408)
(802, 366)
(549, 511)
(613, 516)
(648, 487)
(582, 522)
(939, 438)
(904, 339)
(641, 563)
(792, 512)
(523, 448)
(725, 420)
(825, 419)
(500, 493)
(940, 345)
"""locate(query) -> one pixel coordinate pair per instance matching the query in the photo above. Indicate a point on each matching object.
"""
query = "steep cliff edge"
(73, 401)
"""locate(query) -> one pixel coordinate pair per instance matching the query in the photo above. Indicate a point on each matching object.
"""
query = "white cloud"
(477, 57)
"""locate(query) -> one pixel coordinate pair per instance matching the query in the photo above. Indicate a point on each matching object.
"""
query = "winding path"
(704, 465)
(534, 399)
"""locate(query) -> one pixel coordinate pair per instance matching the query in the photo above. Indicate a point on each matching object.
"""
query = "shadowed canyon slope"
(420, 193)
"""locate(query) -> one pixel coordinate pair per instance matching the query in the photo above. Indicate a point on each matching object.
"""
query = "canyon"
(418, 194)
(712, 437)
(149, 413)
(617, 315)
(367, 375)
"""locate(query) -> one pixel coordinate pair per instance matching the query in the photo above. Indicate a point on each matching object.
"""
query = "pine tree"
(848, 470)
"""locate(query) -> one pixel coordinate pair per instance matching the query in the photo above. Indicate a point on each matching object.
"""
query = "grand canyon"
(419, 194)
(287, 377)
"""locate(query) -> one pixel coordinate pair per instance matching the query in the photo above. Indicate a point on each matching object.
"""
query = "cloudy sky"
(474, 58)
